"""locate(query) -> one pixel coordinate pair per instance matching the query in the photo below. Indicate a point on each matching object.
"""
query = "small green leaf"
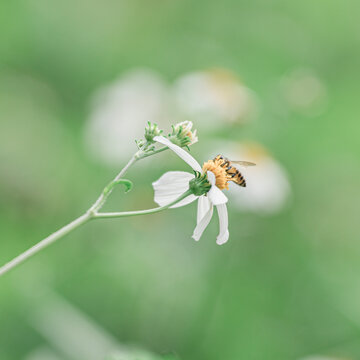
(127, 183)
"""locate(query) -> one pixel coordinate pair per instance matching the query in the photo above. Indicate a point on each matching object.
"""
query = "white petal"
(180, 152)
(204, 222)
(188, 200)
(170, 186)
(224, 224)
(215, 195)
(203, 207)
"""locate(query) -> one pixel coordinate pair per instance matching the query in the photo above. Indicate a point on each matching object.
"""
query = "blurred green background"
(286, 286)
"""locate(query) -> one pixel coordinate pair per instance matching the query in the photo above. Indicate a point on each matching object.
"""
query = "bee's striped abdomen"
(233, 173)
(239, 179)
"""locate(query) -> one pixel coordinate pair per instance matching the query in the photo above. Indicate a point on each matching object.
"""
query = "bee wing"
(243, 163)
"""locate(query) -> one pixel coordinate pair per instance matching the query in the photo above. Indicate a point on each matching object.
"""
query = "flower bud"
(151, 131)
(183, 135)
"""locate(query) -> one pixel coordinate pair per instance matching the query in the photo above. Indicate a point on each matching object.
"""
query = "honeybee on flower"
(229, 167)
(206, 186)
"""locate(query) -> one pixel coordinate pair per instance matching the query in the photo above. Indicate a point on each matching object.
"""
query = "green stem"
(99, 203)
(109, 188)
(140, 212)
(145, 155)
(45, 243)
(77, 223)
(92, 213)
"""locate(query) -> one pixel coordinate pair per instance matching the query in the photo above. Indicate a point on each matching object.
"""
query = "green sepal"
(200, 184)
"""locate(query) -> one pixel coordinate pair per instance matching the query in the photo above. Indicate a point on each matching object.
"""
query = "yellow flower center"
(222, 177)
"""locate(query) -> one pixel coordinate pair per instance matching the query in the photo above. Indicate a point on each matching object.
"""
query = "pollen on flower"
(221, 176)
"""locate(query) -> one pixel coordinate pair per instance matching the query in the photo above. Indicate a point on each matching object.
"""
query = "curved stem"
(91, 214)
(140, 212)
(108, 189)
(45, 243)
(75, 224)
(143, 156)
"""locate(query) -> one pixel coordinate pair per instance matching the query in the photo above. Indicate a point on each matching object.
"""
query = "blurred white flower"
(43, 353)
(73, 334)
(213, 96)
(120, 112)
(304, 92)
(175, 183)
(267, 185)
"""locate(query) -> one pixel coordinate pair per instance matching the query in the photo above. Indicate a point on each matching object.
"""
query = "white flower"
(214, 96)
(120, 112)
(304, 92)
(175, 183)
(268, 188)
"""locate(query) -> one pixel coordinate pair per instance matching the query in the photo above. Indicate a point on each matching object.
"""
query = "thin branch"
(45, 243)
(92, 213)
(109, 215)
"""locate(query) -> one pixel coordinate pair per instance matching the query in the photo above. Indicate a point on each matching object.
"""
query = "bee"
(231, 170)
